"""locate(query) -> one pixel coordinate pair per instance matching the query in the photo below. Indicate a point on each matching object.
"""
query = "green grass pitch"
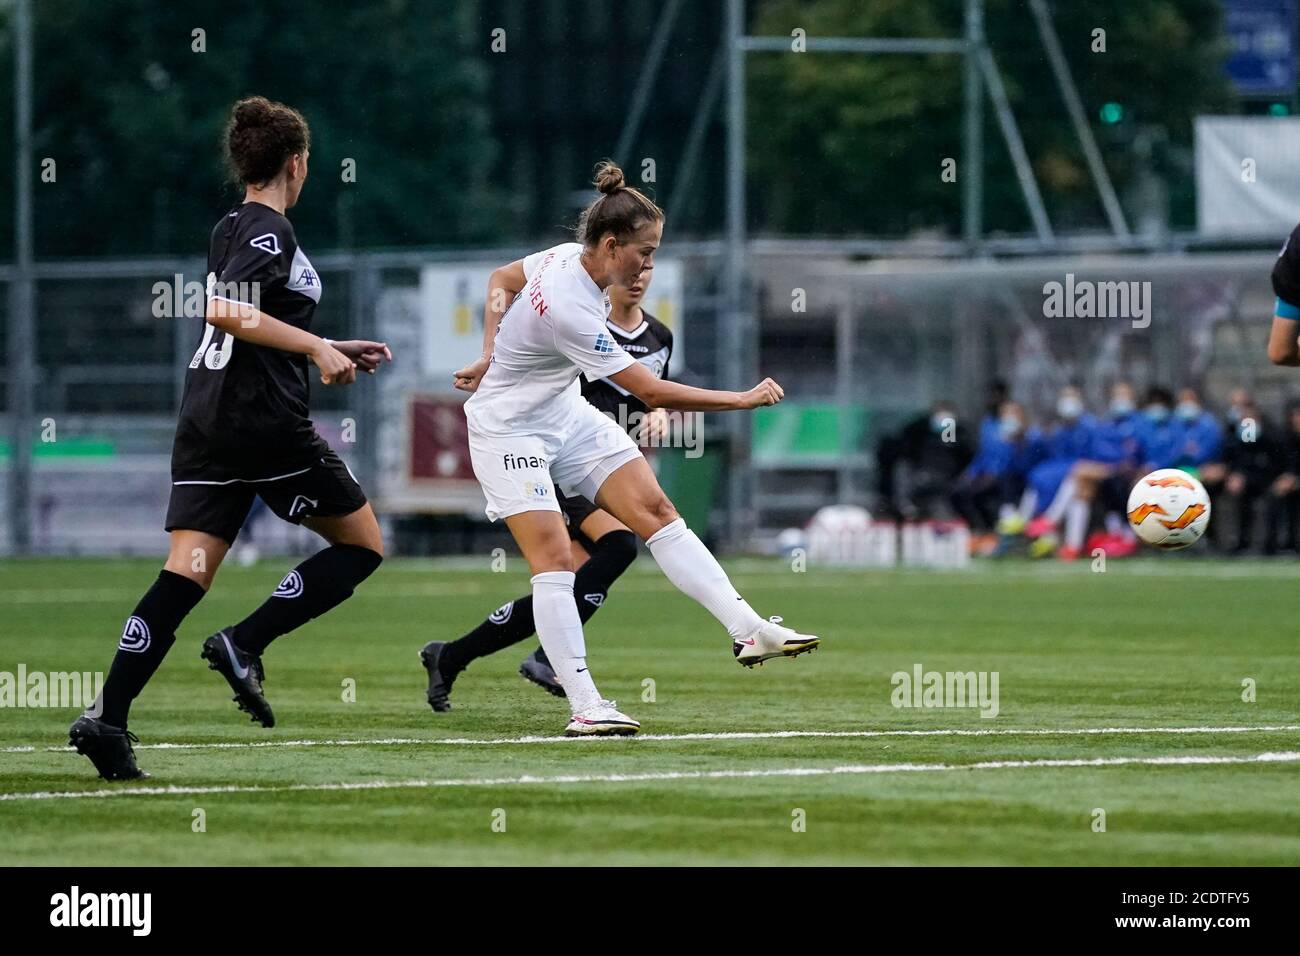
(1162, 642)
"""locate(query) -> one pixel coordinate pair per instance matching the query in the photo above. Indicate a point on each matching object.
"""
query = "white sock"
(1076, 522)
(560, 630)
(1114, 523)
(696, 573)
(1056, 510)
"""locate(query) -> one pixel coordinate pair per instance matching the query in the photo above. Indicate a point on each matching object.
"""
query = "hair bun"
(609, 178)
(252, 111)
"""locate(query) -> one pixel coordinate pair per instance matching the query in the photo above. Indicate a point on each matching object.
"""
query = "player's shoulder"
(1293, 239)
(259, 226)
(658, 329)
(561, 253)
(1289, 254)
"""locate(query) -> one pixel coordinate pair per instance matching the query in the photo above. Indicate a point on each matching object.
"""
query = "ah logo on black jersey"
(267, 243)
(302, 505)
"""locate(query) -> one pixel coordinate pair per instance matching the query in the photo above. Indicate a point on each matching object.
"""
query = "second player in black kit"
(603, 546)
(244, 432)
(244, 428)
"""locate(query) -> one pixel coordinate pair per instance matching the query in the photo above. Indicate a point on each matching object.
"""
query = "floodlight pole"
(22, 315)
(737, 334)
(972, 175)
(735, 311)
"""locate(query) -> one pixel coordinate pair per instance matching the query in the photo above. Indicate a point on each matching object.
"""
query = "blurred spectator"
(1104, 469)
(1160, 436)
(1283, 512)
(1241, 408)
(934, 449)
(989, 490)
(1071, 440)
(1202, 432)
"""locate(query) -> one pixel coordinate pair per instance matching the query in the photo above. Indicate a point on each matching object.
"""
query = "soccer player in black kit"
(603, 547)
(244, 432)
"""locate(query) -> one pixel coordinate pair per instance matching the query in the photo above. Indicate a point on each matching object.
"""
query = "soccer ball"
(1169, 509)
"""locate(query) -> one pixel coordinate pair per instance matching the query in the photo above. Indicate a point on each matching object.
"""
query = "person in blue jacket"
(1161, 436)
(1070, 441)
(1202, 431)
(995, 479)
(1111, 453)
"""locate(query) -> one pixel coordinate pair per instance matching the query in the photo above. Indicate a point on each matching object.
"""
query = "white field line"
(1289, 756)
(737, 735)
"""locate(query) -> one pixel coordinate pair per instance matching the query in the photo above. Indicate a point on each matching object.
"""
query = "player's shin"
(322, 582)
(607, 559)
(560, 630)
(696, 573)
(149, 633)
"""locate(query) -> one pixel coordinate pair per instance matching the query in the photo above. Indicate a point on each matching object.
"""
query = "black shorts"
(323, 490)
(576, 510)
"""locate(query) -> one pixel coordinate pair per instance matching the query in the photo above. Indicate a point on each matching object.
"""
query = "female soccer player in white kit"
(530, 429)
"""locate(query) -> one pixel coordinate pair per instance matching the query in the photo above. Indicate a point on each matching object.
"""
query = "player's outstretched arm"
(253, 325)
(658, 393)
(368, 356)
(503, 285)
(1283, 347)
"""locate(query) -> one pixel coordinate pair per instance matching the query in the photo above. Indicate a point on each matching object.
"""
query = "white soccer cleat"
(602, 720)
(771, 639)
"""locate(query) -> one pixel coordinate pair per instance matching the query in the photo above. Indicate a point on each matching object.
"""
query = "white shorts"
(519, 473)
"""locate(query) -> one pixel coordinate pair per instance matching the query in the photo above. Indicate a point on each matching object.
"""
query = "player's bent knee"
(619, 547)
(542, 564)
(662, 512)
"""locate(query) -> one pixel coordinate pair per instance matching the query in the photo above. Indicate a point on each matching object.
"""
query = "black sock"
(323, 581)
(149, 633)
(513, 622)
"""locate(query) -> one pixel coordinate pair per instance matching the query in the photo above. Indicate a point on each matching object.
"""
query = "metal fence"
(860, 346)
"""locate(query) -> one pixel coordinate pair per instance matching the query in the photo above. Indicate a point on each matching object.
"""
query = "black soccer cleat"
(243, 672)
(537, 669)
(108, 747)
(439, 692)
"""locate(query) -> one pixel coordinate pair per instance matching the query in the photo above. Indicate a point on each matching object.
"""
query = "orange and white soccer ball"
(1169, 509)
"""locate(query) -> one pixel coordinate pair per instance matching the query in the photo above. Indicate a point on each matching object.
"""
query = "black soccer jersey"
(651, 344)
(244, 413)
(1286, 271)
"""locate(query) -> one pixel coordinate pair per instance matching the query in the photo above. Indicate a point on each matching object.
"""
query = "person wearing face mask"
(988, 492)
(1160, 435)
(1213, 474)
(1202, 432)
(1254, 465)
(927, 454)
(1072, 440)
(1104, 472)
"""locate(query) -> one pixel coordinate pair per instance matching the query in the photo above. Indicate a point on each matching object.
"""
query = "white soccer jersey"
(553, 330)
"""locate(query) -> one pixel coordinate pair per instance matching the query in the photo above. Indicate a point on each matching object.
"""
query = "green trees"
(851, 144)
(130, 103)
